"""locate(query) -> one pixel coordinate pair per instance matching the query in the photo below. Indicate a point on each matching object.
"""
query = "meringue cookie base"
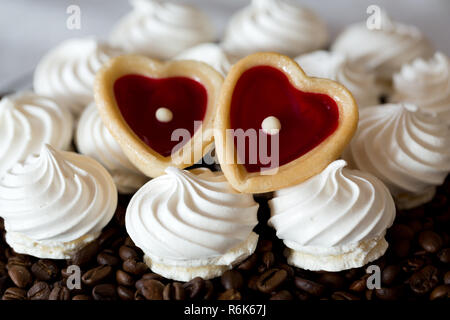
(358, 256)
(186, 270)
(47, 249)
(408, 201)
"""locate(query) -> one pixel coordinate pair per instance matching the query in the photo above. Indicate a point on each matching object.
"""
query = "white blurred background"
(28, 28)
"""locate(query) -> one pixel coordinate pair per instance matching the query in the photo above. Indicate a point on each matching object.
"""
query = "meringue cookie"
(209, 53)
(382, 51)
(27, 122)
(161, 29)
(55, 203)
(192, 224)
(274, 25)
(67, 72)
(334, 221)
(335, 66)
(426, 83)
(94, 140)
(405, 148)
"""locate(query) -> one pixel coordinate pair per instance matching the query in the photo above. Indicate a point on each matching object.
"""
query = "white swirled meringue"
(405, 148)
(209, 53)
(426, 83)
(27, 122)
(161, 29)
(94, 140)
(274, 25)
(192, 224)
(334, 221)
(383, 51)
(335, 66)
(55, 203)
(66, 73)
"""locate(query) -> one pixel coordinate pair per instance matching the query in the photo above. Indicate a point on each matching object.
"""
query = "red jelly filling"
(138, 98)
(306, 119)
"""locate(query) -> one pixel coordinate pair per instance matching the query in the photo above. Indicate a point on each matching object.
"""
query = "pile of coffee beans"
(415, 267)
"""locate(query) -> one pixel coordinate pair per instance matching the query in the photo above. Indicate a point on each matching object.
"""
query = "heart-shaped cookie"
(301, 123)
(161, 114)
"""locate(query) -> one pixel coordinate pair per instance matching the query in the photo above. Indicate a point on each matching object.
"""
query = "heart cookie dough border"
(150, 162)
(307, 165)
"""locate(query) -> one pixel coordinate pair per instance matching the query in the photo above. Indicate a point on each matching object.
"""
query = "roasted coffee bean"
(86, 254)
(342, 295)
(134, 266)
(39, 291)
(447, 277)
(311, 287)
(444, 255)
(20, 276)
(440, 292)
(208, 291)
(290, 271)
(264, 245)
(81, 297)
(174, 291)
(332, 280)
(302, 295)
(271, 280)
(97, 275)
(352, 274)
(104, 291)
(282, 295)
(401, 231)
(359, 285)
(4, 282)
(389, 294)
(252, 282)
(390, 274)
(415, 225)
(126, 252)
(415, 263)
(45, 270)
(14, 293)
(19, 260)
(119, 216)
(107, 237)
(124, 278)
(108, 257)
(430, 241)
(152, 289)
(423, 281)
(230, 294)
(153, 276)
(3, 270)
(401, 248)
(249, 264)
(194, 287)
(129, 242)
(59, 293)
(65, 274)
(232, 279)
(125, 293)
(268, 259)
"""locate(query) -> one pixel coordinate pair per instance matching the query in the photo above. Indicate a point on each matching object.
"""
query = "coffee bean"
(152, 289)
(14, 294)
(39, 291)
(444, 255)
(401, 231)
(104, 291)
(125, 293)
(153, 276)
(20, 276)
(59, 293)
(45, 270)
(264, 245)
(124, 278)
(232, 279)
(268, 259)
(290, 271)
(282, 295)
(4, 283)
(415, 225)
(108, 257)
(129, 242)
(342, 295)
(107, 237)
(19, 260)
(415, 263)
(359, 285)
(174, 291)
(390, 274)
(249, 263)
(230, 294)
(440, 292)
(96, 275)
(401, 248)
(86, 254)
(194, 287)
(430, 241)
(119, 216)
(423, 281)
(81, 297)
(389, 294)
(208, 291)
(333, 280)
(134, 267)
(447, 277)
(126, 252)
(252, 282)
(311, 287)
(352, 274)
(271, 280)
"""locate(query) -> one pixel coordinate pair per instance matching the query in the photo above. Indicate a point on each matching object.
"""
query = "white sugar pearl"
(164, 115)
(271, 125)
